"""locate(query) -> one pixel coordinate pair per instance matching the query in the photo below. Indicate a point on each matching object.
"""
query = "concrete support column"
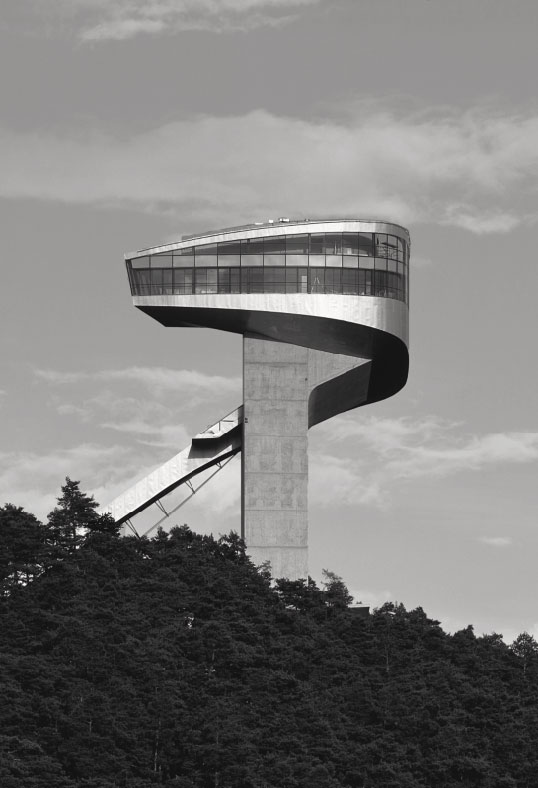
(274, 455)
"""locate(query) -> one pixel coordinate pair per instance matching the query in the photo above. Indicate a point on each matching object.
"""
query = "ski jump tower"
(323, 309)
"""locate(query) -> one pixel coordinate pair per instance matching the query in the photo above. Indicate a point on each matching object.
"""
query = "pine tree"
(22, 541)
(72, 518)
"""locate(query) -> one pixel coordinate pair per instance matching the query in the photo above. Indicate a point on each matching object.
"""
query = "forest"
(175, 661)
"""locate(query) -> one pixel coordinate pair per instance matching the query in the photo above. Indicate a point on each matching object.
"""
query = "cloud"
(472, 454)
(118, 20)
(159, 380)
(496, 541)
(32, 480)
(112, 401)
(335, 479)
(413, 167)
(401, 449)
(150, 433)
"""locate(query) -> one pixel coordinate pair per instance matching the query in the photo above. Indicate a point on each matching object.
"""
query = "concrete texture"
(275, 455)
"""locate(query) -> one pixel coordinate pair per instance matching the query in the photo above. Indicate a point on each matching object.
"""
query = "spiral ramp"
(307, 356)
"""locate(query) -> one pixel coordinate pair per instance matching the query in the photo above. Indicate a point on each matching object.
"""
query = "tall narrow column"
(274, 455)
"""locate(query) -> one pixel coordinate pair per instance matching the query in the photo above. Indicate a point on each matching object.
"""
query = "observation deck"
(323, 309)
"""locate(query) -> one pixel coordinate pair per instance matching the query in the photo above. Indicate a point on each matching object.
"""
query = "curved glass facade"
(371, 264)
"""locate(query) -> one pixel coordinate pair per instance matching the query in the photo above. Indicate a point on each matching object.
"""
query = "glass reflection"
(331, 263)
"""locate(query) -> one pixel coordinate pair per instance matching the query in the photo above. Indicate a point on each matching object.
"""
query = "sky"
(124, 124)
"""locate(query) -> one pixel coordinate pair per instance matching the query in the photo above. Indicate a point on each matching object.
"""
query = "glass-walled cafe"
(366, 264)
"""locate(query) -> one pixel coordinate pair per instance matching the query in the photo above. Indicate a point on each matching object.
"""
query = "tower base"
(275, 455)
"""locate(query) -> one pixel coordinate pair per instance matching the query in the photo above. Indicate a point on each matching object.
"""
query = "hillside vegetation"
(174, 661)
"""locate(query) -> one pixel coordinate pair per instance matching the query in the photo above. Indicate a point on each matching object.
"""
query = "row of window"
(283, 262)
(331, 249)
(346, 281)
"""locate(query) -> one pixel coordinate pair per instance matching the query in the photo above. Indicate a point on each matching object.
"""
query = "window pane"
(297, 244)
(350, 261)
(317, 243)
(350, 281)
(274, 259)
(255, 275)
(392, 265)
(292, 287)
(274, 274)
(317, 260)
(401, 249)
(252, 280)
(156, 277)
(380, 264)
(205, 280)
(380, 282)
(252, 246)
(227, 260)
(141, 280)
(366, 262)
(274, 245)
(333, 243)
(366, 244)
(224, 280)
(302, 280)
(205, 261)
(188, 251)
(296, 259)
(333, 261)
(248, 260)
(183, 281)
(161, 260)
(184, 261)
(392, 247)
(205, 250)
(317, 280)
(350, 243)
(380, 244)
(365, 282)
(291, 274)
(140, 262)
(333, 281)
(393, 282)
(235, 280)
(229, 247)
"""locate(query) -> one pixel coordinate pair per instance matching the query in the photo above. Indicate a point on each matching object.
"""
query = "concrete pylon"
(275, 455)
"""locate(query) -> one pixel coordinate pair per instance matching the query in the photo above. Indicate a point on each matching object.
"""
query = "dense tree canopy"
(174, 661)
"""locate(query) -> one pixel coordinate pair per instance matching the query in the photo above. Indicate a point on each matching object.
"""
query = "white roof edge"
(287, 228)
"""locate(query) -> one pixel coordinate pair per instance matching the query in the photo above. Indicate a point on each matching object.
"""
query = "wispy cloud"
(496, 541)
(118, 20)
(32, 480)
(400, 449)
(138, 403)
(335, 479)
(412, 167)
(145, 405)
(157, 379)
